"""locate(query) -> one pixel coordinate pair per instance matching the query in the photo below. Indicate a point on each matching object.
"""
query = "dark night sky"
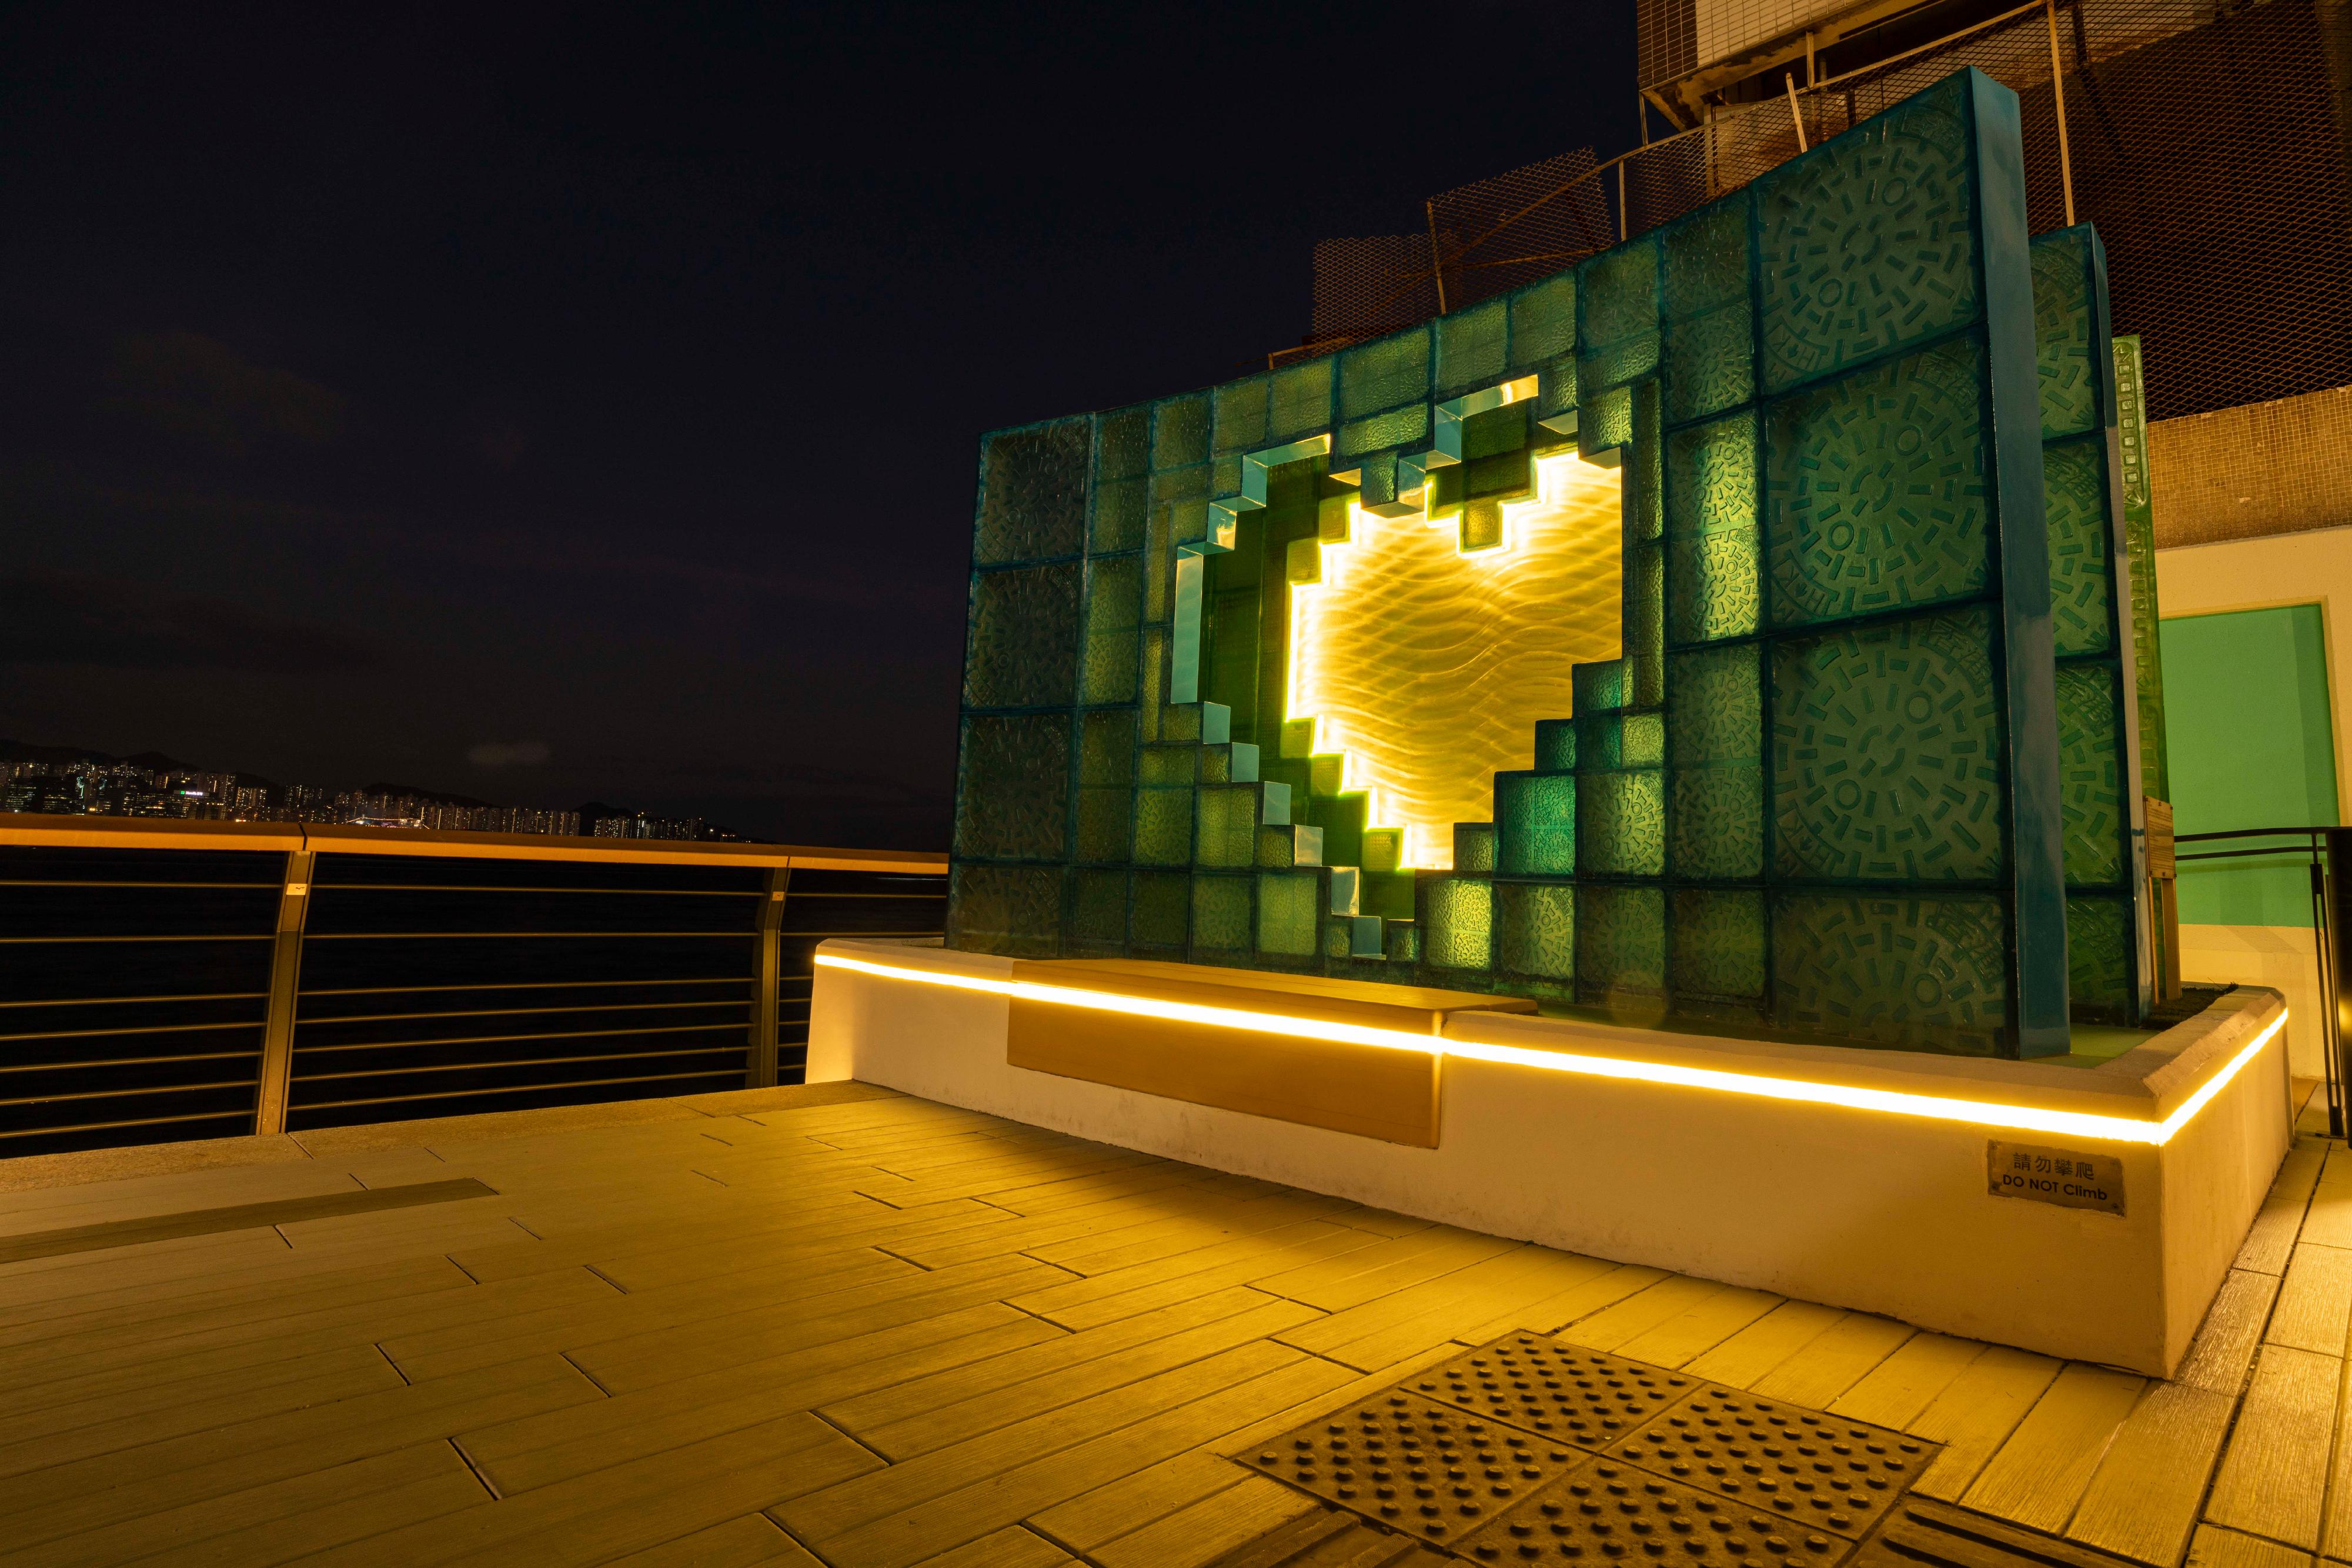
(383, 384)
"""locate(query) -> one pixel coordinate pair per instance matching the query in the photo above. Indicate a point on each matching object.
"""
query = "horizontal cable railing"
(163, 981)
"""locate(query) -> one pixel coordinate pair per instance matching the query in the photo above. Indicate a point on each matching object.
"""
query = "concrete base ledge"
(1858, 1178)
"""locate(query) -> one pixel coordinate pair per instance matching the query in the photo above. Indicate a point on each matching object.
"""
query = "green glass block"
(1481, 528)
(1284, 847)
(1397, 428)
(1241, 416)
(1221, 916)
(1921, 972)
(1642, 739)
(1163, 827)
(1644, 614)
(1473, 847)
(1598, 688)
(2090, 776)
(1706, 260)
(1121, 507)
(2074, 487)
(1098, 910)
(1543, 322)
(1713, 587)
(1235, 762)
(1875, 489)
(1179, 431)
(1225, 477)
(1604, 420)
(1106, 784)
(1535, 824)
(1012, 910)
(1384, 372)
(1718, 947)
(1176, 487)
(1620, 942)
(1162, 915)
(1150, 703)
(1123, 444)
(1172, 762)
(1289, 913)
(1535, 930)
(1457, 917)
(1867, 244)
(1716, 705)
(1555, 744)
(1025, 625)
(1012, 787)
(1716, 821)
(1301, 400)
(1401, 941)
(2062, 333)
(1710, 362)
(2099, 960)
(1470, 347)
(1886, 752)
(1556, 389)
(1114, 600)
(1621, 823)
(1032, 493)
(1225, 826)
(1617, 294)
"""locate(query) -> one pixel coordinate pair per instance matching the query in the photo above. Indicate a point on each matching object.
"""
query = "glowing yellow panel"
(1428, 667)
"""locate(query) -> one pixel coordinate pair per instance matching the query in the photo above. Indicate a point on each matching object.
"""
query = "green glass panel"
(1012, 910)
(1163, 827)
(1457, 923)
(1719, 945)
(1713, 587)
(1710, 362)
(1875, 488)
(1706, 260)
(1226, 831)
(1123, 444)
(1868, 243)
(1120, 505)
(2099, 959)
(1162, 915)
(2062, 333)
(1617, 337)
(1715, 817)
(1384, 372)
(1555, 744)
(1301, 401)
(1032, 493)
(1150, 703)
(2075, 484)
(2090, 775)
(1289, 913)
(1604, 420)
(1535, 824)
(1925, 973)
(1099, 908)
(1013, 787)
(1222, 916)
(1173, 762)
(1397, 428)
(1535, 932)
(1175, 485)
(1642, 739)
(1470, 347)
(1241, 416)
(1620, 942)
(1114, 599)
(1543, 322)
(1106, 784)
(1474, 846)
(1716, 703)
(1179, 431)
(1024, 626)
(1886, 752)
(1620, 824)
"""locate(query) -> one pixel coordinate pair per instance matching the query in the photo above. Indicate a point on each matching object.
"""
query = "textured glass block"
(1106, 784)
(1886, 752)
(1642, 739)
(1644, 614)
(1012, 787)
(1714, 703)
(1179, 431)
(1920, 972)
(1163, 827)
(1713, 587)
(1534, 929)
(1401, 941)
(1470, 347)
(1221, 916)
(1621, 823)
(1474, 846)
(1617, 336)
(1289, 913)
(1173, 486)
(1032, 493)
(2099, 959)
(1457, 923)
(1098, 909)
(1716, 821)
(1706, 260)
(1241, 416)
(1024, 634)
(1384, 372)
(1719, 945)
(1710, 362)
(1012, 910)
(1123, 444)
(1397, 428)
(2062, 333)
(1175, 762)
(1301, 400)
(1535, 824)
(1159, 565)
(1867, 243)
(1604, 420)
(1621, 941)
(2090, 776)
(1598, 687)
(1875, 488)
(1150, 701)
(1543, 321)
(1556, 393)
(1114, 600)
(1225, 826)
(1225, 477)
(2074, 487)
(1481, 528)
(1555, 744)
(1120, 505)
(1162, 915)
(1282, 847)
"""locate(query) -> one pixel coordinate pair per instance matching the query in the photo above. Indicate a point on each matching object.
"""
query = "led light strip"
(1935, 1107)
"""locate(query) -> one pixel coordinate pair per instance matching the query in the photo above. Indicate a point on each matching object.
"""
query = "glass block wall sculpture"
(1856, 771)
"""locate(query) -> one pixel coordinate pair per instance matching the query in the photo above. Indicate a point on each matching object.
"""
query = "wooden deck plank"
(1976, 1413)
(1356, 1278)
(1701, 1328)
(1764, 1344)
(1123, 1293)
(2038, 1476)
(1670, 1296)
(1012, 1547)
(745, 1542)
(2273, 1476)
(2218, 1358)
(1209, 1528)
(2213, 1547)
(2314, 1304)
(2143, 1500)
(1898, 1390)
(1556, 1311)
(1820, 1373)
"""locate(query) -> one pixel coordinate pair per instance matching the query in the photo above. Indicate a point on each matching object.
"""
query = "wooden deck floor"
(846, 1326)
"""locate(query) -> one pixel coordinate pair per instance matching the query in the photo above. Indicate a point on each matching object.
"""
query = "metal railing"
(169, 980)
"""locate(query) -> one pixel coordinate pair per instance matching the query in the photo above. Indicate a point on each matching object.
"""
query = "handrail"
(43, 831)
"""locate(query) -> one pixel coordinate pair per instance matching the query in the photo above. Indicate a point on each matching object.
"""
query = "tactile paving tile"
(1606, 1512)
(1559, 1391)
(1816, 1469)
(1425, 1469)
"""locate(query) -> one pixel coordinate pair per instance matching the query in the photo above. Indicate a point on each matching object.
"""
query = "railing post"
(760, 1071)
(285, 983)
